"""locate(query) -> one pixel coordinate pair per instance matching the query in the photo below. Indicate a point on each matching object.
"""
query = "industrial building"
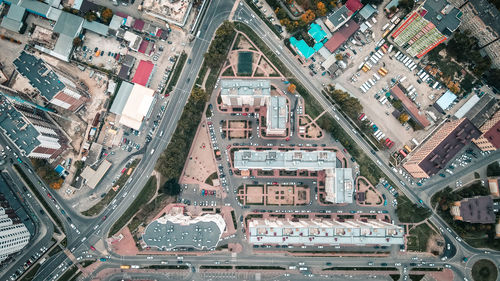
(316, 231)
(432, 23)
(434, 155)
(277, 116)
(178, 230)
(30, 130)
(410, 107)
(339, 183)
(237, 92)
(474, 210)
(133, 103)
(490, 134)
(92, 177)
(55, 87)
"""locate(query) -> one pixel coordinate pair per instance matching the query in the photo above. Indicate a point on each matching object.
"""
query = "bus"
(129, 171)
(124, 266)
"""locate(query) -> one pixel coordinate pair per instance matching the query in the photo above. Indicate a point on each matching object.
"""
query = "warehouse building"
(133, 103)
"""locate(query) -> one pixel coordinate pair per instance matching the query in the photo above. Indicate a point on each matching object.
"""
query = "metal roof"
(16, 13)
(305, 50)
(339, 16)
(69, 24)
(10, 24)
(286, 160)
(367, 11)
(39, 75)
(446, 100)
(467, 106)
(316, 32)
(121, 98)
(96, 27)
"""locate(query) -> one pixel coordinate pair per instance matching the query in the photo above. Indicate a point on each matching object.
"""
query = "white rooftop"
(284, 160)
(236, 87)
(137, 106)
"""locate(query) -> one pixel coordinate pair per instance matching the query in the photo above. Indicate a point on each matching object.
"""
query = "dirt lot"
(255, 194)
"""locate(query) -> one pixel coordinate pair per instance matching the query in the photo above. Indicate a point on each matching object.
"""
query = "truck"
(379, 52)
(362, 88)
(376, 76)
(397, 54)
(390, 48)
(407, 148)
(410, 88)
(371, 82)
(384, 101)
(402, 79)
(135, 266)
(415, 141)
(406, 60)
(413, 67)
(381, 136)
(123, 266)
(385, 26)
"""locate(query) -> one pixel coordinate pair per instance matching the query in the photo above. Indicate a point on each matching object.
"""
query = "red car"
(92, 248)
(103, 218)
(244, 114)
(209, 123)
(287, 139)
(48, 194)
(275, 183)
(123, 171)
(167, 94)
(228, 146)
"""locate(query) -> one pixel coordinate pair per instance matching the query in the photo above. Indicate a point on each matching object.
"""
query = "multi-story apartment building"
(277, 116)
(482, 19)
(31, 131)
(13, 237)
(237, 93)
(440, 148)
(428, 26)
(490, 137)
(318, 231)
(56, 88)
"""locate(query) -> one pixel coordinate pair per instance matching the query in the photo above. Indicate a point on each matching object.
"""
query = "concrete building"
(275, 231)
(13, 237)
(474, 210)
(489, 139)
(429, 25)
(236, 92)
(493, 185)
(133, 104)
(434, 155)
(339, 183)
(30, 130)
(177, 230)
(482, 19)
(54, 87)
(277, 116)
(92, 177)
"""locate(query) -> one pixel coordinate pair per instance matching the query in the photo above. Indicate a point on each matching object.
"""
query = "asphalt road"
(218, 11)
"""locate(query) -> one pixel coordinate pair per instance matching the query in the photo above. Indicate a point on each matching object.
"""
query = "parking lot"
(101, 51)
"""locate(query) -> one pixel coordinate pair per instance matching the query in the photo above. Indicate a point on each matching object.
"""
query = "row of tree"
(349, 104)
(45, 171)
(217, 51)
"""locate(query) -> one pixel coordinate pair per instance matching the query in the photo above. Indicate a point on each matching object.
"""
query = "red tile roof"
(341, 35)
(143, 72)
(410, 106)
(493, 135)
(353, 5)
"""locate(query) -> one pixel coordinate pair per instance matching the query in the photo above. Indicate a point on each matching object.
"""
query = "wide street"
(93, 231)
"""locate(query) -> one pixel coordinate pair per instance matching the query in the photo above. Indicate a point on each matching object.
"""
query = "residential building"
(482, 19)
(178, 230)
(409, 106)
(489, 139)
(434, 155)
(237, 93)
(474, 210)
(31, 131)
(132, 104)
(339, 183)
(13, 236)
(328, 232)
(429, 25)
(277, 116)
(54, 87)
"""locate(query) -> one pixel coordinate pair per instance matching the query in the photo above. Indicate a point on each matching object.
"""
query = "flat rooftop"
(16, 127)
(93, 177)
(289, 160)
(237, 87)
(324, 232)
(39, 75)
(277, 112)
(477, 210)
(181, 231)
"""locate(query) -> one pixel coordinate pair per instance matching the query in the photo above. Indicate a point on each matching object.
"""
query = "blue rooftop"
(367, 11)
(316, 32)
(39, 75)
(305, 50)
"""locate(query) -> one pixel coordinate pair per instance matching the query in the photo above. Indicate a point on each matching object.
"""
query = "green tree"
(106, 15)
(171, 187)
(199, 95)
(406, 5)
(403, 118)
